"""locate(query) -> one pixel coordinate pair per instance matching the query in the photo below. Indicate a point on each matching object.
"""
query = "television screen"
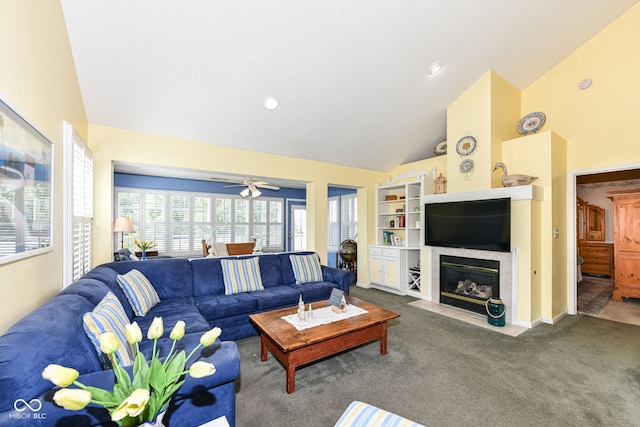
(473, 224)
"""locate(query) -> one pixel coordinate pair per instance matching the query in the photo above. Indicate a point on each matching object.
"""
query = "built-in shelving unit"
(394, 261)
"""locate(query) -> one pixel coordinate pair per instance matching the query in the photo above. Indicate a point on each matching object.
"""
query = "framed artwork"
(26, 188)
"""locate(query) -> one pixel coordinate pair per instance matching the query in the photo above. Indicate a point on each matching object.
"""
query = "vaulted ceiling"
(351, 76)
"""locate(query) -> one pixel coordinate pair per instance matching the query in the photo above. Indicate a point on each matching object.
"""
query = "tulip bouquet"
(144, 245)
(138, 399)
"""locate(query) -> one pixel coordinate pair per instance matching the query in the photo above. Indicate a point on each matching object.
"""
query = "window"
(343, 220)
(177, 221)
(79, 206)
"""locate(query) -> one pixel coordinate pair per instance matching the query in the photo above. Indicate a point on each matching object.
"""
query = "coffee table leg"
(291, 378)
(263, 348)
(383, 339)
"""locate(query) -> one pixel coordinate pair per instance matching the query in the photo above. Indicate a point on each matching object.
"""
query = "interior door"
(298, 229)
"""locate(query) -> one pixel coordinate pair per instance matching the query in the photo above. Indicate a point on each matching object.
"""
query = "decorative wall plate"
(466, 145)
(531, 123)
(441, 148)
(466, 166)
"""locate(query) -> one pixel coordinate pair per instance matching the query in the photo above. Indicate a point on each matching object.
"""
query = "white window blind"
(177, 221)
(348, 217)
(334, 225)
(79, 202)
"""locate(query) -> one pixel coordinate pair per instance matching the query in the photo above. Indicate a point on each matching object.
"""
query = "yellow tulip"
(133, 333)
(178, 330)
(201, 369)
(108, 342)
(156, 329)
(59, 375)
(72, 399)
(210, 336)
(132, 406)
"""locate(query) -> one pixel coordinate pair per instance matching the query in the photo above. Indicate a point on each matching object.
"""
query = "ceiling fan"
(252, 187)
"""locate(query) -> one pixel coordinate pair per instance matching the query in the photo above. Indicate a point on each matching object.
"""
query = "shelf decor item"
(144, 246)
(531, 123)
(466, 145)
(513, 180)
(144, 396)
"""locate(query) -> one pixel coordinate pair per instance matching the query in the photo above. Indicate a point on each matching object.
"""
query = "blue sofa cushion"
(108, 276)
(91, 289)
(276, 297)
(316, 291)
(171, 311)
(207, 277)
(271, 270)
(220, 306)
(58, 323)
(171, 277)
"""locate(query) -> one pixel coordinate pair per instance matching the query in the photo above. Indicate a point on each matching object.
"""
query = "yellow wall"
(599, 123)
(38, 80)
(111, 145)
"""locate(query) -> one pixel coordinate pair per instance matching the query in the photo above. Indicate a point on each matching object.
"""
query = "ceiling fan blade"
(267, 186)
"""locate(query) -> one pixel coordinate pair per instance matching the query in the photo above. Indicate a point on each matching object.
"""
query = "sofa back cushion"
(108, 276)
(171, 277)
(207, 277)
(52, 333)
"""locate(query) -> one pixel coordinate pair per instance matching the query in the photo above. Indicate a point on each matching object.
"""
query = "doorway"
(591, 294)
(298, 228)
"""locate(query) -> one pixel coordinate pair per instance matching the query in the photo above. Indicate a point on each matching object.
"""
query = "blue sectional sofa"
(189, 290)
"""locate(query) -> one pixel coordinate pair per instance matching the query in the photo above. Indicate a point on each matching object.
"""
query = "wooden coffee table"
(295, 348)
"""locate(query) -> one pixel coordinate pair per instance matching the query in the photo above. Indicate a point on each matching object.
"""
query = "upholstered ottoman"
(360, 414)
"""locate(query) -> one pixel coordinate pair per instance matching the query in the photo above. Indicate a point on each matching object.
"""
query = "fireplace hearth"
(467, 283)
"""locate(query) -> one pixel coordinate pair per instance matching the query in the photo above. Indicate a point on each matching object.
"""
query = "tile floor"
(627, 311)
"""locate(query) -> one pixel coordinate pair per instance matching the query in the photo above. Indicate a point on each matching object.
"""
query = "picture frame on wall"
(26, 188)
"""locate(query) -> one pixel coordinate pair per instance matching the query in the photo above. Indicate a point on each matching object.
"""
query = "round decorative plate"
(531, 123)
(441, 148)
(466, 166)
(466, 145)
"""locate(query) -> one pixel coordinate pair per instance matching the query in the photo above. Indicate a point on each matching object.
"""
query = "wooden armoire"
(626, 226)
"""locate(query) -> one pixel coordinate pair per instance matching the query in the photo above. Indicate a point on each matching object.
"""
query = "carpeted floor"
(582, 371)
(593, 294)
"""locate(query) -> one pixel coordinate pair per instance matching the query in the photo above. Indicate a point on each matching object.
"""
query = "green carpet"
(439, 371)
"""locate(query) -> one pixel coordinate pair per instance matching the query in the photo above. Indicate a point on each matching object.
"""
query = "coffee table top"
(288, 338)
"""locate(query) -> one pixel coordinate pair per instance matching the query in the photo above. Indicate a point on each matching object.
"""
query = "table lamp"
(122, 225)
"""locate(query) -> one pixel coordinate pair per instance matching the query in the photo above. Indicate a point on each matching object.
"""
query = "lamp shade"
(122, 225)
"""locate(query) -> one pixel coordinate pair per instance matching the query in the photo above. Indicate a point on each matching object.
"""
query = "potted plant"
(143, 397)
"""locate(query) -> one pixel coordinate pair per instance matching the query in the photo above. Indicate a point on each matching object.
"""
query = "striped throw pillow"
(360, 414)
(109, 316)
(139, 291)
(241, 275)
(306, 268)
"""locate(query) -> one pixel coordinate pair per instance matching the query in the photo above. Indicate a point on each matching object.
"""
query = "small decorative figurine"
(301, 314)
(513, 180)
(441, 184)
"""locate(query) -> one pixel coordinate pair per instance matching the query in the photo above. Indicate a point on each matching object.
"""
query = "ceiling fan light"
(256, 193)
(245, 192)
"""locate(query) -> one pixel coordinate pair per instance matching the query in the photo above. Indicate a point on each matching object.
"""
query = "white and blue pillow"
(109, 316)
(306, 268)
(241, 275)
(139, 291)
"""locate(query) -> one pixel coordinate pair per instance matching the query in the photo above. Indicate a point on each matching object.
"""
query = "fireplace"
(468, 283)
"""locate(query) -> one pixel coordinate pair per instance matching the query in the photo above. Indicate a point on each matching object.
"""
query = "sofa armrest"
(343, 278)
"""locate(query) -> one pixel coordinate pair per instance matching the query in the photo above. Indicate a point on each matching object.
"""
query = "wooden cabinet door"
(627, 224)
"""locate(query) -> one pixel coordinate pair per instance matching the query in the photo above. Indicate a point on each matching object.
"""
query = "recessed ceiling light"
(435, 67)
(271, 103)
(584, 84)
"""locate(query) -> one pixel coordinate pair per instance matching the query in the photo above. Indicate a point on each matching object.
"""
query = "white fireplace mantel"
(521, 192)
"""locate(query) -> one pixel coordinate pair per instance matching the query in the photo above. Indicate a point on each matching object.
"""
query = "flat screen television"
(472, 224)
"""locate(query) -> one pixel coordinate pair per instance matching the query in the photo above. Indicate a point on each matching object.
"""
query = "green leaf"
(102, 395)
(120, 392)
(122, 377)
(157, 377)
(140, 373)
(176, 366)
